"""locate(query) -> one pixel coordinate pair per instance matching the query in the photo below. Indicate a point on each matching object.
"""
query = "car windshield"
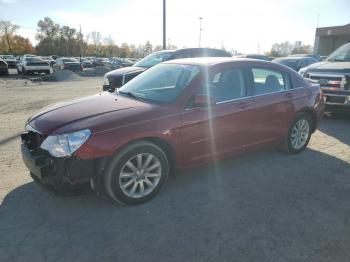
(8, 57)
(162, 83)
(34, 59)
(154, 59)
(69, 60)
(342, 54)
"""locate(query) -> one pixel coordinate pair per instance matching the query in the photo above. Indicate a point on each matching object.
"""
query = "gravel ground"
(264, 206)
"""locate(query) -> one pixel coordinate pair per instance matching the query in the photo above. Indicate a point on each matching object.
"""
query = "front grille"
(32, 140)
(335, 99)
(332, 78)
(327, 81)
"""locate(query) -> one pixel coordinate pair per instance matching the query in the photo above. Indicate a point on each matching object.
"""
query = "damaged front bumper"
(58, 174)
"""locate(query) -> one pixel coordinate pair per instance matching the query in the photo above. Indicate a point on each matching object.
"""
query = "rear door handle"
(243, 105)
(290, 96)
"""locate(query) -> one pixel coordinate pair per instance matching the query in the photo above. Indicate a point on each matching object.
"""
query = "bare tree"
(7, 30)
(108, 40)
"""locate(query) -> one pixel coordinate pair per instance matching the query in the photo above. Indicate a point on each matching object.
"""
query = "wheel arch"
(313, 116)
(167, 148)
(160, 142)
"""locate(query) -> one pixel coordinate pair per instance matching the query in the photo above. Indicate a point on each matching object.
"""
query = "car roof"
(293, 58)
(209, 61)
(190, 49)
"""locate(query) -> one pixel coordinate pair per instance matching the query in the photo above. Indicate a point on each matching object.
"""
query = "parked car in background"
(315, 56)
(87, 63)
(49, 60)
(334, 77)
(32, 64)
(178, 114)
(134, 60)
(68, 64)
(119, 77)
(126, 62)
(255, 56)
(296, 63)
(100, 61)
(3, 67)
(10, 60)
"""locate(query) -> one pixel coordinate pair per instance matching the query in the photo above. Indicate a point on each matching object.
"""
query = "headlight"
(105, 81)
(65, 144)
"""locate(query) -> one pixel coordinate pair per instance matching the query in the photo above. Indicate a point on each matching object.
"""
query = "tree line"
(54, 39)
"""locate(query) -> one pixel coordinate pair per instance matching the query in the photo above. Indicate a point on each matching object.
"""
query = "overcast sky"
(243, 25)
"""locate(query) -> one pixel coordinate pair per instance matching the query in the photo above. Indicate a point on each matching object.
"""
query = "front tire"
(137, 173)
(299, 134)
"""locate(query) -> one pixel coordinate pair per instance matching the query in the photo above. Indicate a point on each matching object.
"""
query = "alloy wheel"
(140, 175)
(300, 134)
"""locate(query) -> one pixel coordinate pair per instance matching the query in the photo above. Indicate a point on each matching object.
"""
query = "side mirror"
(108, 88)
(202, 100)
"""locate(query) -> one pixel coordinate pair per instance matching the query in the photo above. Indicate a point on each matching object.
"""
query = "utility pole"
(318, 20)
(80, 42)
(164, 24)
(200, 30)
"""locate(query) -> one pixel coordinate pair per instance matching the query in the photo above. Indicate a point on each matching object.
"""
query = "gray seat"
(272, 84)
(230, 86)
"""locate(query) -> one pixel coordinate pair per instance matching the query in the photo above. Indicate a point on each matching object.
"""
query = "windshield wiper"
(133, 95)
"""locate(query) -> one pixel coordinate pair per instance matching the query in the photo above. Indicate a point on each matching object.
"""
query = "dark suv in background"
(296, 62)
(119, 77)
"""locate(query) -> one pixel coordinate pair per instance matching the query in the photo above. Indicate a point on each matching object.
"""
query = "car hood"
(125, 70)
(339, 67)
(95, 112)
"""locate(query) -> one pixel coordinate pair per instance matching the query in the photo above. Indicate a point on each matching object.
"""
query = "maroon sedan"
(178, 114)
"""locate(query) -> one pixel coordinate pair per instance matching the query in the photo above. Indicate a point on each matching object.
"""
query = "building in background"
(328, 39)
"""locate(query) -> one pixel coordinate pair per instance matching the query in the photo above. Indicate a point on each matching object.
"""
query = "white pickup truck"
(333, 75)
(32, 64)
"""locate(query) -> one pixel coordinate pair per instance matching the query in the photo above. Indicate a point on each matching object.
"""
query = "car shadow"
(8, 139)
(337, 126)
(262, 205)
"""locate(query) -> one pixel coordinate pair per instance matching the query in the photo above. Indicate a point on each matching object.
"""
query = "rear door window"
(267, 81)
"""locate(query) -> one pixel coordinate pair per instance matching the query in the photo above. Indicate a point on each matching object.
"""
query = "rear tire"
(298, 135)
(137, 173)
